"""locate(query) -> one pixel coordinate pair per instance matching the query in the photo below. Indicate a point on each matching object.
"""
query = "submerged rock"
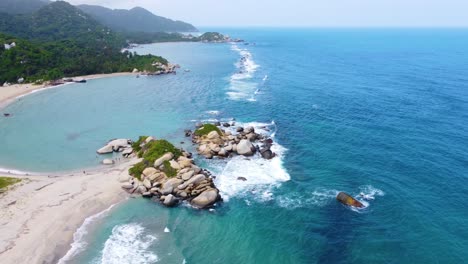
(108, 162)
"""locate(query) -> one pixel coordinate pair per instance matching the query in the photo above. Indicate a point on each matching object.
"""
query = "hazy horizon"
(302, 13)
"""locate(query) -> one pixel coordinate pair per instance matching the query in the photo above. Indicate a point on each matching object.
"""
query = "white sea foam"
(79, 244)
(241, 87)
(128, 244)
(166, 230)
(262, 175)
(15, 172)
(213, 112)
(321, 197)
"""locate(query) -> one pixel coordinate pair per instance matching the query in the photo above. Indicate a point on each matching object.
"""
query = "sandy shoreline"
(39, 216)
(10, 93)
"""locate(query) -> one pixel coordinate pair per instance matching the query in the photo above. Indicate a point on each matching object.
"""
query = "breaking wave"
(128, 244)
(261, 175)
(241, 86)
(79, 244)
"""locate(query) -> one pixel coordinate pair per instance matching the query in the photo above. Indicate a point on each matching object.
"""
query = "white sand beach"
(39, 215)
(8, 94)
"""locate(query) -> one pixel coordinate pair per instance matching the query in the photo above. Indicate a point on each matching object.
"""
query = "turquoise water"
(382, 112)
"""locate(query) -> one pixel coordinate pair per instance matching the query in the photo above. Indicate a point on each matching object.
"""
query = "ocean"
(381, 113)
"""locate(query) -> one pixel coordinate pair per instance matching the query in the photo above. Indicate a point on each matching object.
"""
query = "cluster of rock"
(162, 69)
(223, 143)
(116, 145)
(191, 183)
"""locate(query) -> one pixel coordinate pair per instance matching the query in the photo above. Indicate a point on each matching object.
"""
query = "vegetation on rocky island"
(206, 129)
(150, 152)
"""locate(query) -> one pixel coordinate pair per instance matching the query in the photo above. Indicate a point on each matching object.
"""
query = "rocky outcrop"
(206, 198)
(116, 145)
(183, 181)
(226, 143)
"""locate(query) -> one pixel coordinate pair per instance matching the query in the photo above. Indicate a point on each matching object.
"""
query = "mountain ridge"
(137, 19)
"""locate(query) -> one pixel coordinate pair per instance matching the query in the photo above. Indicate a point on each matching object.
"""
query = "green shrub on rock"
(168, 170)
(150, 152)
(156, 149)
(206, 129)
(136, 145)
(137, 169)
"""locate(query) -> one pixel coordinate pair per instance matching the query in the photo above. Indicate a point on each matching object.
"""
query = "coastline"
(51, 208)
(10, 93)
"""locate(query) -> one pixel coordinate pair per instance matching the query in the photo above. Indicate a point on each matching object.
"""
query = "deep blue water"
(383, 112)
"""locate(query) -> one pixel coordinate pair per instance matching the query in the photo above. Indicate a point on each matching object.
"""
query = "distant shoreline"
(10, 94)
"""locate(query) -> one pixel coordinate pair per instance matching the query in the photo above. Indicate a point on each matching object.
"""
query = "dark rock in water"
(6, 114)
(268, 141)
(188, 133)
(239, 129)
(217, 123)
(346, 199)
(267, 153)
(147, 194)
(241, 179)
(226, 125)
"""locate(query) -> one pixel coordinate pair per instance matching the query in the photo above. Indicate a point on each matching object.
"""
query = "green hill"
(61, 40)
(135, 20)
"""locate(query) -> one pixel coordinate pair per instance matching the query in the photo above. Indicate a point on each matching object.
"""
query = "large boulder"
(118, 144)
(246, 148)
(222, 152)
(170, 200)
(174, 164)
(127, 185)
(206, 199)
(161, 160)
(267, 153)
(204, 149)
(249, 129)
(186, 176)
(184, 162)
(347, 199)
(127, 152)
(194, 180)
(147, 184)
(213, 135)
(170, 185)
(105, 150)
(149, 171)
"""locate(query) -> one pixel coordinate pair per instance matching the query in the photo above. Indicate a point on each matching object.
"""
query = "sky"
(304, 13)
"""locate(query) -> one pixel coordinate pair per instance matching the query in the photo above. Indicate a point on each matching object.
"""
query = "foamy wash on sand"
(378, 114)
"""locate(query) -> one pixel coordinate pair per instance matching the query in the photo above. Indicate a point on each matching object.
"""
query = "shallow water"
(378, 112)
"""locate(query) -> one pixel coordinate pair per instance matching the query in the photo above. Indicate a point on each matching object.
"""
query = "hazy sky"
(321, 13)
